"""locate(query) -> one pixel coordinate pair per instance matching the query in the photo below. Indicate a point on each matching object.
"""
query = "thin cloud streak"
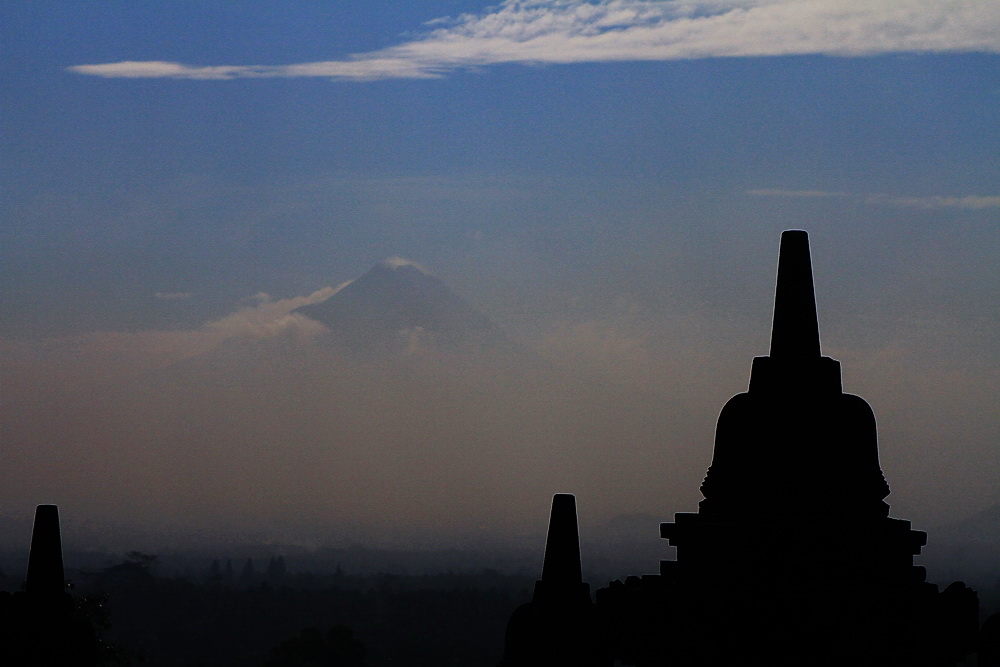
(173, 296)
(793, 194)
(103, 357)
(570, 31)
(965, 202)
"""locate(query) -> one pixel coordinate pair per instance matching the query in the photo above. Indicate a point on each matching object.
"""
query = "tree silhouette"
(338, 647)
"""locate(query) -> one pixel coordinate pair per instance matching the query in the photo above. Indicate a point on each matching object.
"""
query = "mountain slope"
(397, 307)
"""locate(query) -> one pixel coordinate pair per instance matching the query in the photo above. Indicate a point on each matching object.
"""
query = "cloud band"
(572, 31)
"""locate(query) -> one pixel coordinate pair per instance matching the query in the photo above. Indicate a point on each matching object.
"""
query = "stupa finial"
(795, 330)
(45, 563)
(561, 566)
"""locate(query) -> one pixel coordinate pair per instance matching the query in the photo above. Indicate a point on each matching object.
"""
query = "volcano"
(397, 307)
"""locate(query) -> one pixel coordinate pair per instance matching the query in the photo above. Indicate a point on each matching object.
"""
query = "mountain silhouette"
(397, 307)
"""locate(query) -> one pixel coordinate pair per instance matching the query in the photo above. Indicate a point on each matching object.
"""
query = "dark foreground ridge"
(791, 558)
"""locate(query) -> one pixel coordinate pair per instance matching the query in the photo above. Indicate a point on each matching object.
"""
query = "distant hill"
(969, 550)
(396, 307)
(983, 527)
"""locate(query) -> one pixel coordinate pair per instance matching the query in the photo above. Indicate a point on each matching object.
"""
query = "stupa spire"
(561, 566)
(795, 329)
(45, 563)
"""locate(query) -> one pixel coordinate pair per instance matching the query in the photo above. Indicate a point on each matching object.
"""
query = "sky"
(605, 180)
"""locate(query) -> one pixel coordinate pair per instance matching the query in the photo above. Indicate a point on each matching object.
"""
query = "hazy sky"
(606, 180)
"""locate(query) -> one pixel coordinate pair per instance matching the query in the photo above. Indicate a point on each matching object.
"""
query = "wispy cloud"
(572, 31)
(270, 319)
(793, 194)
(400, 262)
(966, 202)
(111, 356)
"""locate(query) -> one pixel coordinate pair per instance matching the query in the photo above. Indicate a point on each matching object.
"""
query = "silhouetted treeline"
(250, 613)
(455, 618)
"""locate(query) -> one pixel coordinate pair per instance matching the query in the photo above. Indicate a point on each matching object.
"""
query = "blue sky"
(599, 177)
(167, 183)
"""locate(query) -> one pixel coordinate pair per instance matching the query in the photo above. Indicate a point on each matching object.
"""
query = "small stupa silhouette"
(45, 560)
(41, 625)
(559, 627)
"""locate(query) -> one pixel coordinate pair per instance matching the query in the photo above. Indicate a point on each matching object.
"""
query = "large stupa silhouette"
(792, 558)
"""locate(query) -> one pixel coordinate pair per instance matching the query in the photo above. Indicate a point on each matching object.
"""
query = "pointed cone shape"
(396, 306)
(45, 564)
(562, 546)
(795, 330)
